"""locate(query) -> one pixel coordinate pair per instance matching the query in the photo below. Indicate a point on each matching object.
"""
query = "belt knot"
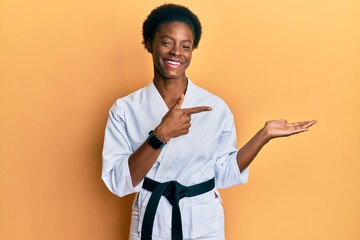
(174, 192)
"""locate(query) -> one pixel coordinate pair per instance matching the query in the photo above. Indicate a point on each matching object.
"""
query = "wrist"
(155, 141)
(161, 134)
(265, 135)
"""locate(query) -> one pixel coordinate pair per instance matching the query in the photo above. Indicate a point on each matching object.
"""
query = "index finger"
(179, 102)
(196, 109)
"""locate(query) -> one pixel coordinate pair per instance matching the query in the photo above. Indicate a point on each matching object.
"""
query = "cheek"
(188, 58)
(156, 58)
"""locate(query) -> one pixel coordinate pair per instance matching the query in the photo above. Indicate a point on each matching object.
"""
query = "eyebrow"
(167, 36)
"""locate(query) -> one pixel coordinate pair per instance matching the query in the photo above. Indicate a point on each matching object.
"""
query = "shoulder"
(204, 96)
(129, 101)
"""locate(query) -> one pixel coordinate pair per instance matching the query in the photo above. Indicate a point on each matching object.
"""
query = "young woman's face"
(172, 50)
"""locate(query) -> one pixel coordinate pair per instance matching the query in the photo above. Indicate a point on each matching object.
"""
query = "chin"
(173, 77)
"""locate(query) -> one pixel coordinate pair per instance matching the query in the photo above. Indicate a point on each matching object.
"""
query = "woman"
(174, 143)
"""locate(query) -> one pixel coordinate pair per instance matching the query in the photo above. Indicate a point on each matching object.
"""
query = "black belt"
(173, 191)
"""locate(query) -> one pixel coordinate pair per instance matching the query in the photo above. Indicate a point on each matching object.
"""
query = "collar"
(158, 102)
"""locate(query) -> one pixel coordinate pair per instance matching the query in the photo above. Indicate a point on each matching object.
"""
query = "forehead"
(178, 30)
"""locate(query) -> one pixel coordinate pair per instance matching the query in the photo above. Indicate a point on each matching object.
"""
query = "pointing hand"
(176, 121)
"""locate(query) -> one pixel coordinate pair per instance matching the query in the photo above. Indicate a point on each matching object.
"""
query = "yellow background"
(63, 64)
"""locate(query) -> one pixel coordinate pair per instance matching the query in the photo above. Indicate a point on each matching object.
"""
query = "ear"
(149, 45)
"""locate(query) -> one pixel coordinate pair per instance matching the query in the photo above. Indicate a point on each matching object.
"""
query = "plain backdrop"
(63, 64)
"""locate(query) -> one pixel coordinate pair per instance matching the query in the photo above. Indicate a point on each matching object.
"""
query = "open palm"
(281, 128)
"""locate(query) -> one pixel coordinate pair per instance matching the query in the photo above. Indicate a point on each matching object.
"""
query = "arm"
(272, 129)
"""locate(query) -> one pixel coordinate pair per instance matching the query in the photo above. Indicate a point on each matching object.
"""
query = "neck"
(171, 89)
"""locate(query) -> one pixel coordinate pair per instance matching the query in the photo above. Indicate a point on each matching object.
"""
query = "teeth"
(173, 62)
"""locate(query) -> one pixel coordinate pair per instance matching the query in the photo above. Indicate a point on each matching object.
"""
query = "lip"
(173, 63)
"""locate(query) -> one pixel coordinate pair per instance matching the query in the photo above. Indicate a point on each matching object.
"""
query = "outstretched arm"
(272, 129)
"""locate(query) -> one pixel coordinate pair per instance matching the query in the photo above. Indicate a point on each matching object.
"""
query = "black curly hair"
(168, 13)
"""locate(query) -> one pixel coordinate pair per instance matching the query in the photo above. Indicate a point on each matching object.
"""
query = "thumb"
(179, 102)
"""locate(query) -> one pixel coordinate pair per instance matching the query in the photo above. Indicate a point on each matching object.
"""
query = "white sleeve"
(116, 152)
(227, 171)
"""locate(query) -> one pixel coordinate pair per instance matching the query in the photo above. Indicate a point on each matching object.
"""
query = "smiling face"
(171, 50)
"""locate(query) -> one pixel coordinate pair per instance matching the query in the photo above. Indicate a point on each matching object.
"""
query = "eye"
(187, 47)
(166, 43)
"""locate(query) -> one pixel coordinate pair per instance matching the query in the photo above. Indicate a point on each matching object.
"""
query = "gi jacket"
(208, 150)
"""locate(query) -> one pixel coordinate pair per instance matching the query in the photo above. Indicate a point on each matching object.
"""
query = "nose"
(175, 50)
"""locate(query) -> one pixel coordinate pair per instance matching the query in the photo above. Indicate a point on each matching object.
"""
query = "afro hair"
(168, 13)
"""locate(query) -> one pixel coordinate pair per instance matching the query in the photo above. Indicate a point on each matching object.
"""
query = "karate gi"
(207, 151)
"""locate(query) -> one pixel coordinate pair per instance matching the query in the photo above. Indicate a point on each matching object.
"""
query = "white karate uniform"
(207, 151)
